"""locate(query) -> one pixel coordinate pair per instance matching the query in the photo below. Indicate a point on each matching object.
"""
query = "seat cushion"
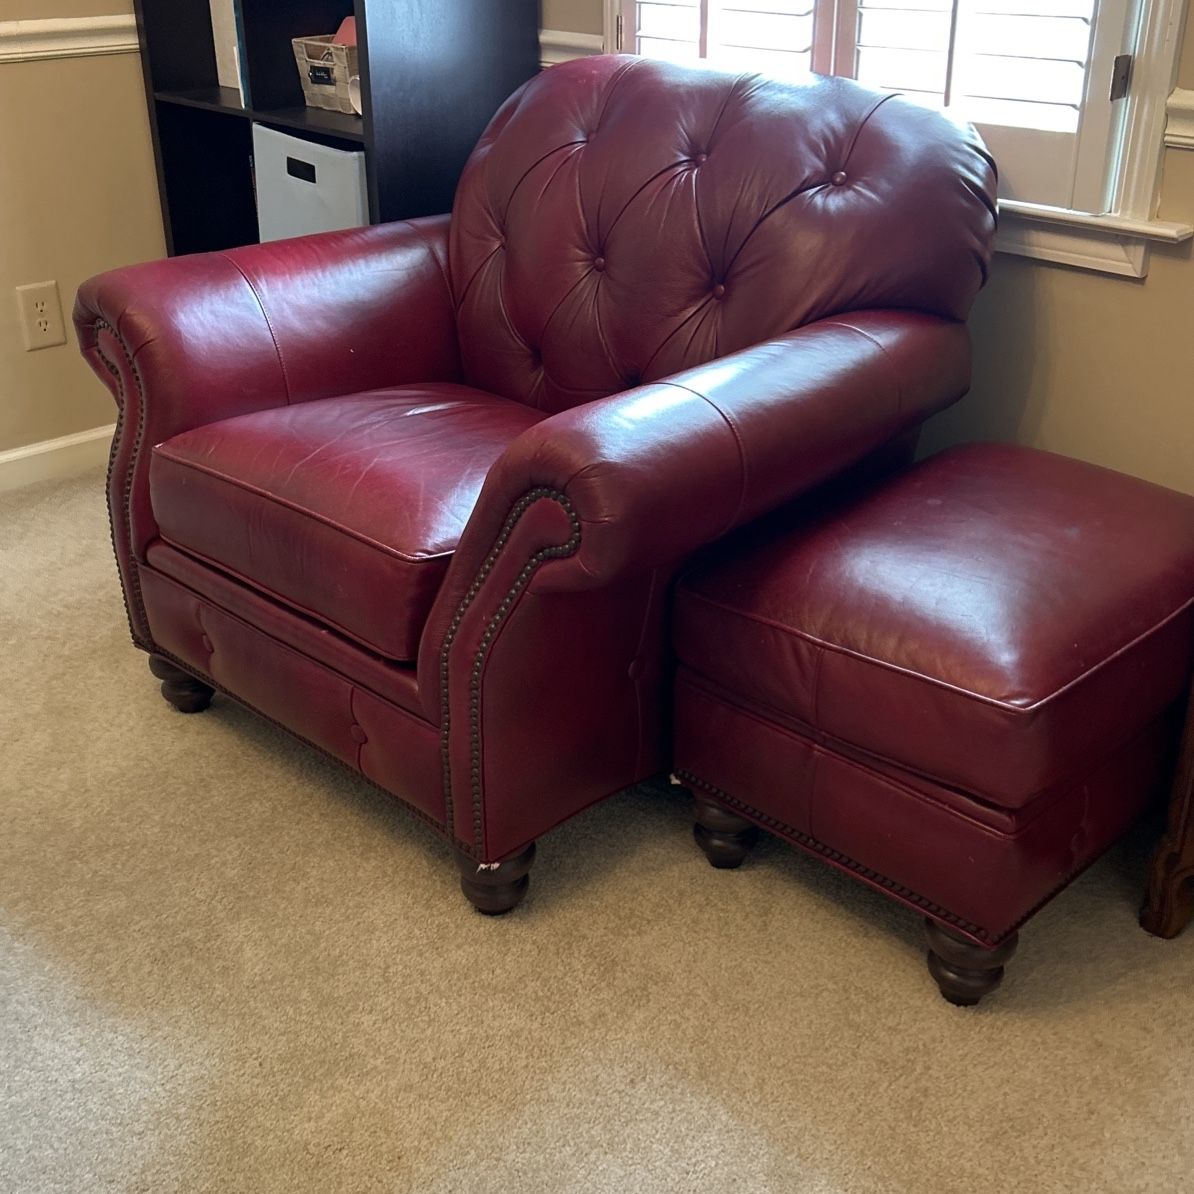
(994, 619)
(347, 509)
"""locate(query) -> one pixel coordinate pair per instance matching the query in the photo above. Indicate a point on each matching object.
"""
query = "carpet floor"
(227, 965)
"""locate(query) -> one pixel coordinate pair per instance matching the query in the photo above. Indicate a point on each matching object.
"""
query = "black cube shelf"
(433, 72)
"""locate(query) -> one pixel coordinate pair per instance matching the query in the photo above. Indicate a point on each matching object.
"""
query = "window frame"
(1117, 241)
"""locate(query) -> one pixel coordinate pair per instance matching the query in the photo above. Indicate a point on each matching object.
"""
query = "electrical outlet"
(41, 315)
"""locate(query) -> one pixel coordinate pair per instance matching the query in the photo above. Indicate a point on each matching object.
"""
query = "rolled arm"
(218, 334)
(192, 340)
(654, 473)
(580, 524)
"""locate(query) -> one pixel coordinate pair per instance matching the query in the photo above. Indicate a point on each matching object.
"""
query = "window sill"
(559, 45)
(1107, 244)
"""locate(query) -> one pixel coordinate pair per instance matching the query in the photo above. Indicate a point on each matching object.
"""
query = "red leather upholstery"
(341, 714)
(190, 341)
(984, 619)
(394, 682)
(737, 437)
(623, 219)
(754, 328)
(971, 662)
(979, 868)
(348, 509)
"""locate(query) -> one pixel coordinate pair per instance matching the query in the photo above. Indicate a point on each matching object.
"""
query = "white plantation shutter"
(668, 29)
(772, 36)
(1034, 75)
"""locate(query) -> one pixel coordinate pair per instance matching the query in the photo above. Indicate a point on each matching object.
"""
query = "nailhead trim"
(134, 599)
(520, 507)
(817, 847)
(504, 607)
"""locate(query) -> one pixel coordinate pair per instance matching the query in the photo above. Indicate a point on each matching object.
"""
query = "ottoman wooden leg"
(180, 688)
(725, 837)
(495, 887)
(965, 972)
(1169, 901)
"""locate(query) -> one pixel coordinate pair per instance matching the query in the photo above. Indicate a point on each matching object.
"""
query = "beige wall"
(77, 195)
(576, 16)
(1086, 364)
(1080, 363)
(1090, 365)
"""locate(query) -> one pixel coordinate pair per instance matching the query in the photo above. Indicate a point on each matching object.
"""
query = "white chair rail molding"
(1179, 127)
(67, 37)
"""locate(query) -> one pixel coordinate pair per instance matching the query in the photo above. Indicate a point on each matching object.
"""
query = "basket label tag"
(322, 76)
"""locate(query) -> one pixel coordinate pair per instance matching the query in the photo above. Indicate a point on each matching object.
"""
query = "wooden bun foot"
(180, 688)
(725, 837)
(965, 972)
(495, 887)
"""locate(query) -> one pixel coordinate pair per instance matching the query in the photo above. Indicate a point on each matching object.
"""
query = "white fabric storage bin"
(303, 187)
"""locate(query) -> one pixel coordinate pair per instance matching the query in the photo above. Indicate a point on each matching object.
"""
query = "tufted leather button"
(719, 291)
(207, 645)
(358, 735)
(599, 264)
(662, 264)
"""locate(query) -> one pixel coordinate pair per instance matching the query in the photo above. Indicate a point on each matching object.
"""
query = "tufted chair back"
(622, 219)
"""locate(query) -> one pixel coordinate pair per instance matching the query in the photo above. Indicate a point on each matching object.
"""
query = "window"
(1046, 82)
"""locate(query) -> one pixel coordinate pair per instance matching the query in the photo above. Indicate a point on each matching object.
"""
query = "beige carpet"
(226, 965)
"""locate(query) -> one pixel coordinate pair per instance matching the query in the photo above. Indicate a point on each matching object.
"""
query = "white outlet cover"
(42, 325)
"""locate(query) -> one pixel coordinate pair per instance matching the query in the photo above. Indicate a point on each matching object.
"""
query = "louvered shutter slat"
(1032, 74)
(1016, 66)
(774, 36)
(668, 29)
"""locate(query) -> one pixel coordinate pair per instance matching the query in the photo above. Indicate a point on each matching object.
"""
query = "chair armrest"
(213, 335)
(193, 340)
(654, 473)
(554, 600)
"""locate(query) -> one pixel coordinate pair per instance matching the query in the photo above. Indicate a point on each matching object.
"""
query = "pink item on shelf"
(346, 35)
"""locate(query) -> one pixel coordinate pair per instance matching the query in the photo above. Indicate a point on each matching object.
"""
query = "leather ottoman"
(960, 686)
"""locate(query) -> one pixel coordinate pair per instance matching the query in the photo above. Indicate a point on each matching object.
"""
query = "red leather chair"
(417, 492)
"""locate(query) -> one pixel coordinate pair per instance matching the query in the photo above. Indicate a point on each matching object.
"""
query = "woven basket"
(325, 69)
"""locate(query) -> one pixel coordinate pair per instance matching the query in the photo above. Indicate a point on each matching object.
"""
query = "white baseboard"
(558, 45)
(54, 459)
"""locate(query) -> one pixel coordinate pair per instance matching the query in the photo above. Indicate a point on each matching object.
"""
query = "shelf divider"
(344, 125)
